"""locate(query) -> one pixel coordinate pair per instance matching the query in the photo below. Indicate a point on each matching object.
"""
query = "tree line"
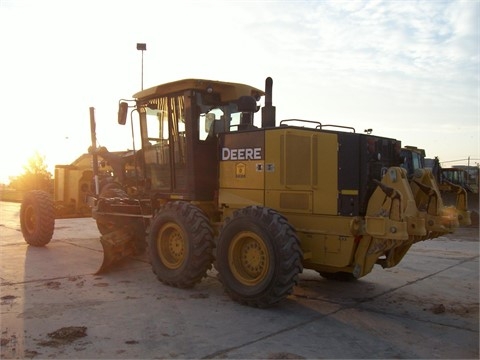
(35, 176)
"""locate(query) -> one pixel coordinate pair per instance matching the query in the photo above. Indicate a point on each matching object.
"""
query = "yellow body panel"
(242, 174)
(326, 240)
(71, 187)
(239, 198)
(298, 201)
(73, 183)
(306, 164)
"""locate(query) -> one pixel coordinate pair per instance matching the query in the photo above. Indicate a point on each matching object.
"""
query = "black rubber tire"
(37, 218)
(338, 276)
(181, 244)
(258, 257)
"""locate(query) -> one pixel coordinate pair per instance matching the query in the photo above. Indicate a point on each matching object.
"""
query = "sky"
(406, 69)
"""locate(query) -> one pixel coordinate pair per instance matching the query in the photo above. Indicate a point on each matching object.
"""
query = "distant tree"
(35, 175)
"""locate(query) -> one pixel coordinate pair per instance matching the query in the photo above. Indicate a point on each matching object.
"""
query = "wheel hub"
(249, 258)
(30, 219)
(171, 245)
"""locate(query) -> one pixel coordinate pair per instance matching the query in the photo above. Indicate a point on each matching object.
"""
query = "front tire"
(258, 257)
(181, 244)
(37, 218)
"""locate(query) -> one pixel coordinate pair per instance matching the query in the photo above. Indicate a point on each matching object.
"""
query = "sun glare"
(54, 152)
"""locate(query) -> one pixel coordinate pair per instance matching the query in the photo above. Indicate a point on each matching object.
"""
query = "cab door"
(164, 144)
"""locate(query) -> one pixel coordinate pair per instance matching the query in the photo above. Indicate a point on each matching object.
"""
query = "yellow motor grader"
(257, 200)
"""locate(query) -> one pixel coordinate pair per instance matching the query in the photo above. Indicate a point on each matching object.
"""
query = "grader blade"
(117, 245)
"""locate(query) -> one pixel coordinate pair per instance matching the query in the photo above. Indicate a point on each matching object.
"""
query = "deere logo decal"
(242, 154)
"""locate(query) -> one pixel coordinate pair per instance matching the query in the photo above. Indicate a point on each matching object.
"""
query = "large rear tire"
(37, 218)
(181, 244)
(258, 257)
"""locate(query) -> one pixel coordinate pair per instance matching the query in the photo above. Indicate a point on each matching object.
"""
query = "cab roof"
(228, 91)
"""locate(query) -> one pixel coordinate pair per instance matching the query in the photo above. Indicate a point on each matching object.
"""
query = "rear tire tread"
(287, 251)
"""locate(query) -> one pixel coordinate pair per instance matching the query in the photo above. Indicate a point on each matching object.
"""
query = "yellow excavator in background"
(419, 173)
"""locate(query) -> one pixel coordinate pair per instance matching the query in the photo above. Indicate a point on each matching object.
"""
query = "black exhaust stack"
(268, 111)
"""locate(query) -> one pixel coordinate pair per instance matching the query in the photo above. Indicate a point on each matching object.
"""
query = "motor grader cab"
(428, 184)
(258, 201)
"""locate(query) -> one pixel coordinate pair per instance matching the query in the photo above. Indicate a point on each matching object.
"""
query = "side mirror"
(122, 113)
(209, 119)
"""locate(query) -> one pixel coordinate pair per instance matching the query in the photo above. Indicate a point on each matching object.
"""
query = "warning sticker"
(240, 170)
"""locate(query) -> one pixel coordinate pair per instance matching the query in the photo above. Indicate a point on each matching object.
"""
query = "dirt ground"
(54, 306)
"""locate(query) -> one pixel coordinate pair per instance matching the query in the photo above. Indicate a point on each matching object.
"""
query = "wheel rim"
(171, 245)
(30, 219)
(248, 258)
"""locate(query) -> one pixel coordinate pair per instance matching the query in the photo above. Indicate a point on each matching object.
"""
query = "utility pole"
(142, 47)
